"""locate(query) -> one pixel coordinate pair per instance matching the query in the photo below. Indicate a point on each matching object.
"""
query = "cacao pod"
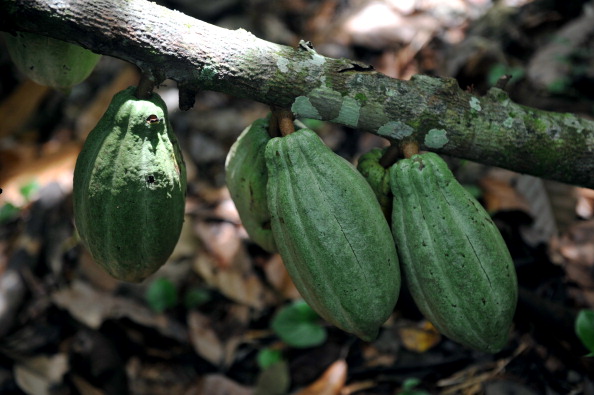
(331, 234)
(129, 188)
(378, 178)
(48, 61)
(454, 260)
(246, 177)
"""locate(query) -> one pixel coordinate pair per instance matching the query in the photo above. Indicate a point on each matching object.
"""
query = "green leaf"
(274, 380)
(29, 189)
(312, 124)
(267, 357)
(408, 387)
(8, 212)
(297, 325)
(584, 328)
(196, 297)
(161, 295)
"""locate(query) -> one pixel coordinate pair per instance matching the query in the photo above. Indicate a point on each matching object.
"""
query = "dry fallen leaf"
(92, 307)
(37, 375)
(330, 383)
(278, 277)
(419, 338)
(18, 108)
(217, 384)
(56, 166)
(204, 339)
(237, 280)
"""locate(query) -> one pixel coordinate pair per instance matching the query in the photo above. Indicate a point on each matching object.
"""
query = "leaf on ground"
(56, 166)
(279, 278)
(37, 375)
(204, 339)
(274, 380)
(217, 384)
(92, 307)
(237, 280)
(18, 108)
(499, 193)
(584, 327)
(330, 383)
(574, 251)
(161, 295)
(221, 240)
(299, 326)
(419, 338)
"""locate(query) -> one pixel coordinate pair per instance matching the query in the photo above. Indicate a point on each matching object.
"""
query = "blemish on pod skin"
(304, 108)
(395, 130)
(436, 138)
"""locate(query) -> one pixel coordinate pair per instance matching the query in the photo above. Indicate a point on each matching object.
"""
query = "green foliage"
(298, 326)
(161, 295)
(196, 297)
(313, 124)
(584, 328)
(7, 212)
(499, 70)
(267, 357)
(409, 387)
(29, 189)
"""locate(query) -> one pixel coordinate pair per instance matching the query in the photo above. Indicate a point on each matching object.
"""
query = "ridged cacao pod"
(246, 177)
(378, 178)
(454, 260)
(331, 234)
(129, 188)
(48, 61)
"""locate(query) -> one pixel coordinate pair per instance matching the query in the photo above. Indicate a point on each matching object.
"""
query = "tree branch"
(168, 44)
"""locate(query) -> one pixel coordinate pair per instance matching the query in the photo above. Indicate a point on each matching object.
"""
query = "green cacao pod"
(331, 233)
(129, 188)
(378, 178)
(246, 176)
(48, 61)
(454, 260)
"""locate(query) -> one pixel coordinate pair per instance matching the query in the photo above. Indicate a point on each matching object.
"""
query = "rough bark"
(433, 111)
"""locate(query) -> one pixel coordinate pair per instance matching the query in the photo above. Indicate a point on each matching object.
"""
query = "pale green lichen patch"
(372, 114)
(327, 102)
(475, 104)
(349, 112)
(436, 138)
(508, 123)
(572, 121)
(391, 92)
(303, 107)
(395, 130)
(318, 60)
(282, 64)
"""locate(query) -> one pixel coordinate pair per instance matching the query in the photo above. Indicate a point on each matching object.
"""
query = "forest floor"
(203, 323)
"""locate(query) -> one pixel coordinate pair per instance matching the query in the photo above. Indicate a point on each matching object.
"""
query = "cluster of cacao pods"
(327, 219)
(454, 260)
(296, 196)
